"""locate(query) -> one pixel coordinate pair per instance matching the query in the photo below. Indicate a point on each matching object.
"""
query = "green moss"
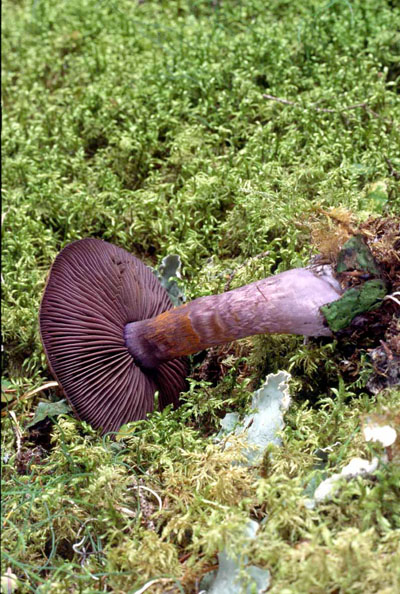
(146, 124)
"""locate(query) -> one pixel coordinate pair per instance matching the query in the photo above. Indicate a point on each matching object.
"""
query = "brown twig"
(362, 105)
(17, 431)
(279, 99)
(392, 170)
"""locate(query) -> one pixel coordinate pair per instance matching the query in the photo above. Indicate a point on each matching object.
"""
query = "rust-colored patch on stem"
(173, 331)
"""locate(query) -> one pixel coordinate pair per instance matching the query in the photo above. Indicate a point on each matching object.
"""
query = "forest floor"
(244, 137)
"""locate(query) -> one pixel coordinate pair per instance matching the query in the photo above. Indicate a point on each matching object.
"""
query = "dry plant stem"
(31, 393)
(39, 389)
(392, 170)
(17, 431)
(153, 582)
(363, 105)
(322, 109)
(287, 303)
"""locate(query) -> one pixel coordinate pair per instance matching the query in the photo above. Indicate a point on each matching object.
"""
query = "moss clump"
(151, 125)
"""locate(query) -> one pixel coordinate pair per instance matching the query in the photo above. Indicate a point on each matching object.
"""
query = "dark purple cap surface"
(93, 290)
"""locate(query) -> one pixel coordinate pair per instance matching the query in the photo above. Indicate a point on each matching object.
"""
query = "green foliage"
(145, 124)
(151, 125)
(49, 410)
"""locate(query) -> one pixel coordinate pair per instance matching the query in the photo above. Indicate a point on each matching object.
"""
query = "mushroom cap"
(93, 290)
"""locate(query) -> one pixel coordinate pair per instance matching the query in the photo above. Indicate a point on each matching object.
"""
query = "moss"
(151, 125)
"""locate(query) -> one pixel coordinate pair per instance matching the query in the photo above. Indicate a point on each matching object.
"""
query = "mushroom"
(112, 337)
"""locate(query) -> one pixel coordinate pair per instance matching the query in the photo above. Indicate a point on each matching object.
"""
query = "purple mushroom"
(112, 338)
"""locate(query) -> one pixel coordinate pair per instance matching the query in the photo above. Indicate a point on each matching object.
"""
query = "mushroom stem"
(287, 303)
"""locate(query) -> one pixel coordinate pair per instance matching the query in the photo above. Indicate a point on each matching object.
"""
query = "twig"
(39, 389)
(31, 393)
(279, 99)
(363, 105)
(287, 102)
(392, 170)
(149, 584)
(17, 431)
